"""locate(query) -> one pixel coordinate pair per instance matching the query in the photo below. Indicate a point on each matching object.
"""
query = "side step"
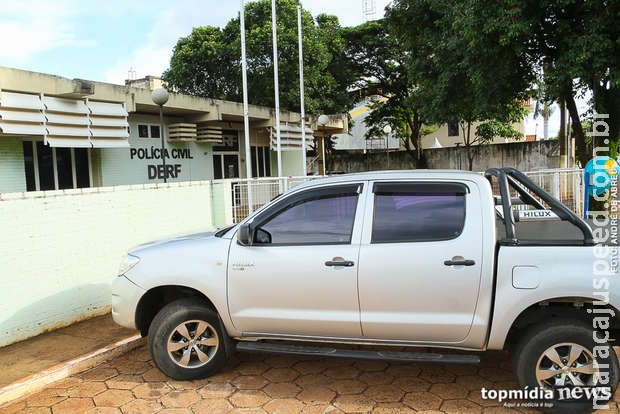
(425, 357)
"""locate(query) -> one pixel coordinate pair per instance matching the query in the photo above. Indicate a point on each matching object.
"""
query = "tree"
(200, 65)
(208, 61)
(448, 91)
(378, 62)
(506, 47)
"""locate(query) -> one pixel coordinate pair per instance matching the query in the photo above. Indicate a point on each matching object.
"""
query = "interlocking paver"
(248, 399)
(87, 389)
(139, 406)
(316, 394)
(349, 386)
(384, 393)
(36, 410)
(212, 406)
(113, 398)
(273, 384)
(354, 403)
(282, 390)
(73, 405)
(460, 406)
(103, 410)
(216, 390)
(392, 408)
(422, 401)
(284, 406)
(151, 390)
(281, 374)
(178, 399)
(100, 374)
(124, 382)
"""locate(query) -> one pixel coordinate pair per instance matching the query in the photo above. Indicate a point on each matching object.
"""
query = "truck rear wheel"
(186, 340)
(562, 356)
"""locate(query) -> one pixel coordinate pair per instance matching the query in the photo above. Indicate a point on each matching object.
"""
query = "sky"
(101, 40)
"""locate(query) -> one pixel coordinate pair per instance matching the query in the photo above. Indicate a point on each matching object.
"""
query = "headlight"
(127, 263)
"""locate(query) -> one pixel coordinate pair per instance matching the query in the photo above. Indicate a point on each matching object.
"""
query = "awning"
(21, 114)
(63, 122)
(290, 138)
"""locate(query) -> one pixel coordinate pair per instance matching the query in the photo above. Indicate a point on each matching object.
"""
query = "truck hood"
(136, 251)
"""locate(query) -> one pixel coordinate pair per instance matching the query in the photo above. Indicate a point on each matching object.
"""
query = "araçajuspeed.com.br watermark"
(605, 264)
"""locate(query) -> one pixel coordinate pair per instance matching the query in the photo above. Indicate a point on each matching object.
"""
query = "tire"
(563, 336)
(189, 356)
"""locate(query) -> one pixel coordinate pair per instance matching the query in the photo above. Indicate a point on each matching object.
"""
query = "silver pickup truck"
(404, 258)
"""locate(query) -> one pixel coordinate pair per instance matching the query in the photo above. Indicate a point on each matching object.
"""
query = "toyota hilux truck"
(417, 258)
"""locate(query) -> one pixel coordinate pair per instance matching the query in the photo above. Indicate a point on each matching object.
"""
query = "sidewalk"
(33, 363)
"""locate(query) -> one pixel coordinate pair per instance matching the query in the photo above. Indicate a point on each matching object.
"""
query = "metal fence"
(564, 184)
(263, 191)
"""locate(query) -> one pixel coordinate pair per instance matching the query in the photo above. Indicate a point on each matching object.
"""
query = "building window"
(148, 131)
(453, 129)
(49, 168)
(261, 162)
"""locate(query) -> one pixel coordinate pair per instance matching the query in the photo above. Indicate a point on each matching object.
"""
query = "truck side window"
(314, 218)
(418, 212)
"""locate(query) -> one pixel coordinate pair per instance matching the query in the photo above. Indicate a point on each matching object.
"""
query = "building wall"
(450, 141)
(526, 156)
(119, 166)
(12, 172)
(61, 249)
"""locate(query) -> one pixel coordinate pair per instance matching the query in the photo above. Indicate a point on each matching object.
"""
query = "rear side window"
(418, 212)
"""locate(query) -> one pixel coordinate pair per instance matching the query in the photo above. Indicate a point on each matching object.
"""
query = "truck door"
(420, 261)
(299, 277)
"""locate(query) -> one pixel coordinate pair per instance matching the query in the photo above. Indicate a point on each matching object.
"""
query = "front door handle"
(344, 263)
(461, 262)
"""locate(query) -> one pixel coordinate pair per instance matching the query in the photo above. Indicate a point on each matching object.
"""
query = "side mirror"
(244, 235)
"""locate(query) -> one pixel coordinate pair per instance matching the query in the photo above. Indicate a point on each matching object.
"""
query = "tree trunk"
(562, 135)
(546, 122)
(581, 151)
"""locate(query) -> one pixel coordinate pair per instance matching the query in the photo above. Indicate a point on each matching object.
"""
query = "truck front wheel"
(186, 340)
(562, 356)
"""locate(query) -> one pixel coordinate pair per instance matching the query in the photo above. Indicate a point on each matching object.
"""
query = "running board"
(425, 357)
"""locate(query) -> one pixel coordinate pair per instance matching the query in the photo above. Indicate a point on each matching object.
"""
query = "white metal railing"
(565, 184)
(263, 190)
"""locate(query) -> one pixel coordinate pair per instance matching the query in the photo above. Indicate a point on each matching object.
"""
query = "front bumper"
(125, 297)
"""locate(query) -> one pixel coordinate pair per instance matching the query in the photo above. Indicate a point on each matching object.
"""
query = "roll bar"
(517, 180)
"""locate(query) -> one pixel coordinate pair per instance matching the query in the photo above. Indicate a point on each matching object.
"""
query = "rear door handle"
(462, 262)
(344, 263)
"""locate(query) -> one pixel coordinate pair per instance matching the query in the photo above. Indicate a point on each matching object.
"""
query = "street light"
(387, 130)
(322, 121)
(160, 97)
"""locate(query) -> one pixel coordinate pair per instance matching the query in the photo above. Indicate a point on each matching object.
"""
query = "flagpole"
(275, 84)
(246, 120)
(301, 91)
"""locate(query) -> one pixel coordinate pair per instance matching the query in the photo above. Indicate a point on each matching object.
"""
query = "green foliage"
(489, 130)
(208, 62)
(449, 82)
(496, 50)
(379, 62)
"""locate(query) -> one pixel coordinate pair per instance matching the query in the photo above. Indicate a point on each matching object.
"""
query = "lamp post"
(387, 130)
(322, 121)
(160, 97)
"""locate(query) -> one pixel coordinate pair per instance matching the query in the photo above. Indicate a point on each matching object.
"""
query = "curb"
(36, 382)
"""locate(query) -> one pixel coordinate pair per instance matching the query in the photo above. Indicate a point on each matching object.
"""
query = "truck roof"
(396, 175)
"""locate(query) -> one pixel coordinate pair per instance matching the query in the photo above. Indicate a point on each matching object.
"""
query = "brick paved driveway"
(260, 383)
